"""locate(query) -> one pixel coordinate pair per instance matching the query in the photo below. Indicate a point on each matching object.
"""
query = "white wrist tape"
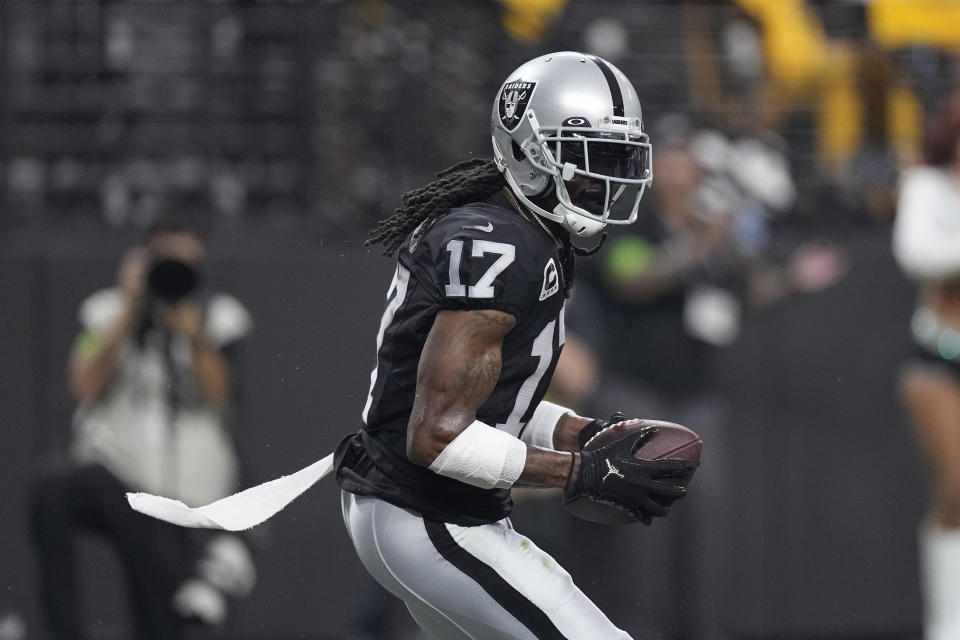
(482, 456)
(540, 428)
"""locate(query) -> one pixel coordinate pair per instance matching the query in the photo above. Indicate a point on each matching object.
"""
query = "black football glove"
(612, 475)
(595, 426)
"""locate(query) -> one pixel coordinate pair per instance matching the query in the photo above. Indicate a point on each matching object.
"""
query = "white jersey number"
(543, 350)
(484, 286)
(398, 289)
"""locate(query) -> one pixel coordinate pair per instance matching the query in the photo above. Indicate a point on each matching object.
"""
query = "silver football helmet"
(565, 115)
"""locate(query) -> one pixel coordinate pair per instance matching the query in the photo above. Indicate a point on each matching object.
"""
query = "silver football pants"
(483, 583)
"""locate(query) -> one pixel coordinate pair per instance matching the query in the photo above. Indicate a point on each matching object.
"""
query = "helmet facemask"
(615, 158)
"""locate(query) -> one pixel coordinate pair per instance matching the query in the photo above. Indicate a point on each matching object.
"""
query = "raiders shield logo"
(514, 98)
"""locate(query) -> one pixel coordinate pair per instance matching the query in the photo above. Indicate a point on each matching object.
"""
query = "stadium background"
(291, 127)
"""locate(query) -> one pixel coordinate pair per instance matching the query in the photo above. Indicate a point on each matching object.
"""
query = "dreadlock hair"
(465, 182)
(469, 181)
(568, 259)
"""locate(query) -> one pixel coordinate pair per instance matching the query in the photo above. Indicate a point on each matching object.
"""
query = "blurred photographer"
(152, 372)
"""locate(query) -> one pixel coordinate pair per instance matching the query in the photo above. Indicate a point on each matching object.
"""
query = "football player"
(467, 345)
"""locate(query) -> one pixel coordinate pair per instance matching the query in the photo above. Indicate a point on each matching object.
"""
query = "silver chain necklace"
(527, 215)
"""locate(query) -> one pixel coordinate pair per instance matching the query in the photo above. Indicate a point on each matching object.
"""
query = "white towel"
(239, 511)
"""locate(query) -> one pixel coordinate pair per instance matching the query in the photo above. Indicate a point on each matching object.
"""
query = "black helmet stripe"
(615, 93)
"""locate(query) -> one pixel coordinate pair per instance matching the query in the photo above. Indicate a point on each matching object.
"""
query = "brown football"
(670, 441)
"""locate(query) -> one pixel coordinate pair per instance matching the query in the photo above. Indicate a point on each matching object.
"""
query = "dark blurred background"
(290, 128)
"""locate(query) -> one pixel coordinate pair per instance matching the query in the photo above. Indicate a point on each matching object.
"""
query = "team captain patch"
(551, 281)
(514, 98)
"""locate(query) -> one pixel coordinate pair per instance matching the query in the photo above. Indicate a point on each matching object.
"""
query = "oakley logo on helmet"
(514, 98)
(575, 121)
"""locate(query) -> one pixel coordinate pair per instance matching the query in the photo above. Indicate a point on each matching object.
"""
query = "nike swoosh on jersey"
(486, 229)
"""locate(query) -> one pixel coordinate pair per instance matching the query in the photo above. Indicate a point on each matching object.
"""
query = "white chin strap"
(577, 224)
(573, 221)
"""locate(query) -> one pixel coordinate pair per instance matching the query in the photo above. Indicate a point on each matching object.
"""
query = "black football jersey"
(479, 256)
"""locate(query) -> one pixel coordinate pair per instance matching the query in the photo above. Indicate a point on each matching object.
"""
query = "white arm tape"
(926, 234)
(539, 431)
(482, 456)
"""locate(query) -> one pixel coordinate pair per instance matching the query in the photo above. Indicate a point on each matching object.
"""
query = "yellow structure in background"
(805, 68)
(900, 23)
(904, 123)
(839, 108)
(526, 21)
(794, 41)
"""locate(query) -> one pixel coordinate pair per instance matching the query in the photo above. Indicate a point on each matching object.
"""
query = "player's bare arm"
(567, 433)
(210, 368)
(459, 368)
(94, 358)
(93, 361)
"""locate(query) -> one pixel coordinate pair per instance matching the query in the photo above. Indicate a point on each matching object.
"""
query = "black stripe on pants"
(531, 616)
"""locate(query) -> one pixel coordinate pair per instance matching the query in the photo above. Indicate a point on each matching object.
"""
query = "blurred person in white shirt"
(926, 243)
(151, 370)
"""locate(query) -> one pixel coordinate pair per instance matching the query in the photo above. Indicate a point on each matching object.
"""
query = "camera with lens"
(170, 280)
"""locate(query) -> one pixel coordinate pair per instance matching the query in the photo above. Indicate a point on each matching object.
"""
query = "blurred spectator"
(695, 257)
(650, 290)
(926, 243)
(809, 71)
(153, 374)
(867, 151)
(668, 292)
